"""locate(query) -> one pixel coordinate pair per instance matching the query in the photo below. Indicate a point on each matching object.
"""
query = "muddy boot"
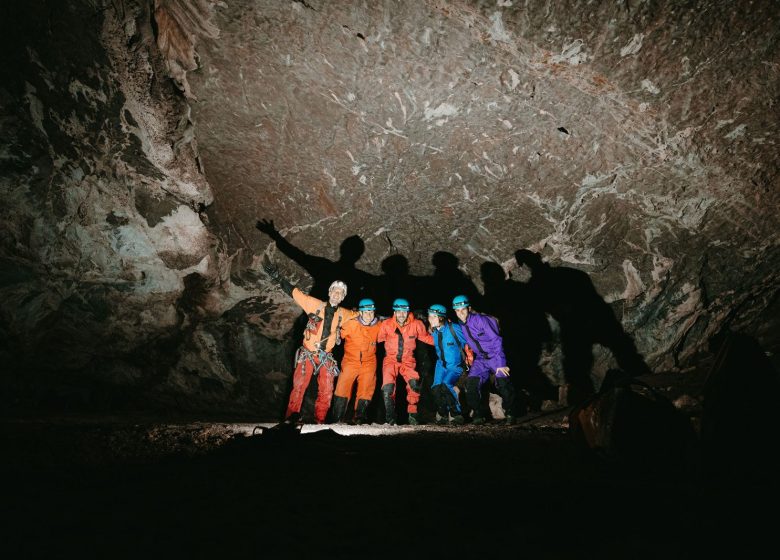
(338, 408)
(387, 396)
(413, 420)
(443, 420)
(360, 411)
(458, 420)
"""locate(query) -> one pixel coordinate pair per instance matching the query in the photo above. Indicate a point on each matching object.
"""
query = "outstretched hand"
(271, 269)
(267, 227)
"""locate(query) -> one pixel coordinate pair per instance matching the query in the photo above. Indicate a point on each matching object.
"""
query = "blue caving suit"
(448, 340)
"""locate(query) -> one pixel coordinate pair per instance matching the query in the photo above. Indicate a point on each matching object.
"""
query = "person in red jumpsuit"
(314, 357)
(400, 334)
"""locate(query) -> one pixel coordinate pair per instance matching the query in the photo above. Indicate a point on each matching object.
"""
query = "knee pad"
(414, 385)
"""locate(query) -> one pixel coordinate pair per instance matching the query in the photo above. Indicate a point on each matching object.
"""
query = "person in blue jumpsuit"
(450, 347)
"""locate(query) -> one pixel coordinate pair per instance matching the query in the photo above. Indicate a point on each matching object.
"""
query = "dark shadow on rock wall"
(739, 416)
(323, 273)
(525, 331)
(585, 319)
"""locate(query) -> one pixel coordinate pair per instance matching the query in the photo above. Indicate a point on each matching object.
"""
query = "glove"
(276, 276)
(273, 271)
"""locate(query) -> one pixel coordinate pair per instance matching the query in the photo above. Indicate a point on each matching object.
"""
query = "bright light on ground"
(349, 430)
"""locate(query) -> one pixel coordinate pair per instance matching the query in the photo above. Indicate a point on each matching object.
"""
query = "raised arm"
(311, 263)
(278, 279)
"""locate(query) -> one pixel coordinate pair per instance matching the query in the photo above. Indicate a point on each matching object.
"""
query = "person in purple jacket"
(481, 333)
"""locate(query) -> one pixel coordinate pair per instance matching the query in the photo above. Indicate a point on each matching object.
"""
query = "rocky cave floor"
(112, 487)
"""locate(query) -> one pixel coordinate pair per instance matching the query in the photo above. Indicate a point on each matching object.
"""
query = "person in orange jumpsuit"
(320, 336)
(400, 334)
(359, 362)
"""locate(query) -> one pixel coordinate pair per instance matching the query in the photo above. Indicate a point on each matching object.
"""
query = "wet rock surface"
(633, 142)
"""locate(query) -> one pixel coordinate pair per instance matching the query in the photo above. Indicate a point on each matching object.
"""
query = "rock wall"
(142, 140)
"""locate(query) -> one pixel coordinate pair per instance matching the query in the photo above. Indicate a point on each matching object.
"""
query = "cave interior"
(600, 177)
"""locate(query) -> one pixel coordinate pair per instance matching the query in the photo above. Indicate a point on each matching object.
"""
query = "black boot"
(387, 395)
(474, 400)
(452, 405)
(441, 404)
(338, 408)
(360, 411)
(507, 392)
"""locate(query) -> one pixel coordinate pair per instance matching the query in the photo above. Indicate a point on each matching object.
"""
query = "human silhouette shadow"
(323, 273)
(525, 331)
(585, 319)
(738, 430)
(448, 281)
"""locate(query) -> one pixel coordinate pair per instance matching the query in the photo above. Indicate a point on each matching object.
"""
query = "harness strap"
(484, 355)
(460, 346)
(439, 341)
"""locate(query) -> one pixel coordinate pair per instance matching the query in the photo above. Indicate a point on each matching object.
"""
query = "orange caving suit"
(314, 356)
(400, 342)
(359, 362)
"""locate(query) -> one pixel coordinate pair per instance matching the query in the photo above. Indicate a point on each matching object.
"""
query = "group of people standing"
(470, 345)
(556, 305)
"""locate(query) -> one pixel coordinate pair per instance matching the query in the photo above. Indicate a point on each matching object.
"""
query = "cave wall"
(635, 141)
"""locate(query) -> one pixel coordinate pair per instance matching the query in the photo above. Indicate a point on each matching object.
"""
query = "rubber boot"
(338, 408)
(507, 392)
(360, 411)
(453, 406)
(441, 404)
(474, 399)
(387, 396)
(413, 420)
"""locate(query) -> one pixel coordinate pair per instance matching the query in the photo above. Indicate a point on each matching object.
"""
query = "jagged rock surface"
(636, 142)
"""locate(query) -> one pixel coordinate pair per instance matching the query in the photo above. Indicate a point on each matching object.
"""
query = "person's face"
(462, 313)
(400, 316)
(434, 321)
(367, 316)
(336, 296)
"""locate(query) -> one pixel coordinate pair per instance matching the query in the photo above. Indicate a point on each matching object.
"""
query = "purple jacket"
(481, 333)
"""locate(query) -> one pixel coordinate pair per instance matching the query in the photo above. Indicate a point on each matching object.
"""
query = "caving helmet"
(400, 304)
(437, 309)
(366, 304)
(460, 302)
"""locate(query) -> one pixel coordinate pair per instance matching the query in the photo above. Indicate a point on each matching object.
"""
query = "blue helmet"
(366, 304)
(437, 309)
(400, 304)
(460, 301)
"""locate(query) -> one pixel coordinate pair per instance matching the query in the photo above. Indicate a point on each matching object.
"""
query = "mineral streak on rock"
(636, 142)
